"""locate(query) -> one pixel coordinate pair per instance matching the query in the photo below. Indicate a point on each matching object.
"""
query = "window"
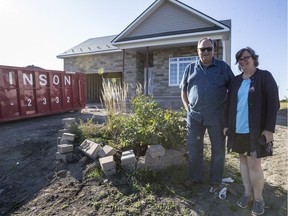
(177, 66)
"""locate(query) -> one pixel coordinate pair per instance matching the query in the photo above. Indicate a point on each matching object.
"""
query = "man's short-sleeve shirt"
(206, 89)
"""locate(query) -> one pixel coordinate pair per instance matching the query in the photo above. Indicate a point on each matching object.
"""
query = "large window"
(177, 66)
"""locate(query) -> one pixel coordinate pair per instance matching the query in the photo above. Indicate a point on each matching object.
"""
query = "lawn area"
(283, 105)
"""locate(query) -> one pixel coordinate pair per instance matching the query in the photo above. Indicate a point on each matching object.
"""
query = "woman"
(252, 108)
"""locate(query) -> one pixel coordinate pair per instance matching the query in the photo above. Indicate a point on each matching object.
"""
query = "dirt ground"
(32, 182)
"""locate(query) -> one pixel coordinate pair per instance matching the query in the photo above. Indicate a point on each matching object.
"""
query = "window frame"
(179, 60)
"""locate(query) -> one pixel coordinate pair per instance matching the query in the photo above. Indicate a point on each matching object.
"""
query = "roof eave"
(167, 40)
(87, 53)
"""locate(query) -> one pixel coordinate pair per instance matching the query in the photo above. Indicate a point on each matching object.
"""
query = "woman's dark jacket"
(263, 105)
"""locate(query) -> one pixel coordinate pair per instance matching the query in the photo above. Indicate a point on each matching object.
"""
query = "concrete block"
(68, 122)
(141, 163)
(58, 140)
(129, 167)
(107, 151)
(65, 141)
(109, 172)
(175, 157)
(65, 148)
(61, 131)
(156, 150)
(68, 136)
(157, 167)
(127, 152)
(68, 157)
(90, 148)
(128, 157)
(107, 163)
(149, 160)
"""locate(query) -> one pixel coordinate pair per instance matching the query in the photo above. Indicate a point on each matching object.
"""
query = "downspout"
(123, 67)
(147, 75)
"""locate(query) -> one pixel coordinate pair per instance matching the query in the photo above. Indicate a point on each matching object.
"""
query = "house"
(156, 46)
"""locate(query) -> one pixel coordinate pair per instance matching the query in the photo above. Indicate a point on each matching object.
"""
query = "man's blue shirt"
(207, 89)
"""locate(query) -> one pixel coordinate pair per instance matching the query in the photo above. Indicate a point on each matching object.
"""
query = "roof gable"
(166, 18)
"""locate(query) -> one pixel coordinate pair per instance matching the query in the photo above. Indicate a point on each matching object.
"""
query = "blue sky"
(35, 31)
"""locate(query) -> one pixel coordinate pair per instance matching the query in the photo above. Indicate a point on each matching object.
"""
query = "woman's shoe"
(243, 201)
(258, 207)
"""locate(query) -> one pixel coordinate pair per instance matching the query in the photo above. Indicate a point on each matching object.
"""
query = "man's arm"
(184, 99)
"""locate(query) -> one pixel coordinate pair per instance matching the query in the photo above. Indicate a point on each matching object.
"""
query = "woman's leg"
(256, 176)
(245, 174)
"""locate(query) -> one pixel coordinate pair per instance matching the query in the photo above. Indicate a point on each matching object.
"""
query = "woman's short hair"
(252, 53)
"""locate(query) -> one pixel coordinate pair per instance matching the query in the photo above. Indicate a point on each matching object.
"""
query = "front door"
(94, 86)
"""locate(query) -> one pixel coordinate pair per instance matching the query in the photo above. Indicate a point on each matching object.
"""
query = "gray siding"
(169, 17)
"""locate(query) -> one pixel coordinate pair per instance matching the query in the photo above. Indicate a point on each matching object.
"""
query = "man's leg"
(217, 154)
(195, 135)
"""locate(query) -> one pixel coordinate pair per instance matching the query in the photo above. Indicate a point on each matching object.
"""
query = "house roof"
(91, 46)
(164, 23)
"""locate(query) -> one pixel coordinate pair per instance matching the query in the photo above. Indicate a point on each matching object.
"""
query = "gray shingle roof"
(91, 46)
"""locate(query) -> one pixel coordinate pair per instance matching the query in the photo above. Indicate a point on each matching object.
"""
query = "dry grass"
(284, 105)
(114, 97)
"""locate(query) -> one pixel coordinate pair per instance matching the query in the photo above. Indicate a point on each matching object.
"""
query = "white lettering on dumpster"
(10, 78)
(26, 79)
(56, 80)
(67, 80)
(43, 79)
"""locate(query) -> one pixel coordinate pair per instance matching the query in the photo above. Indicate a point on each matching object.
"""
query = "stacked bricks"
(65, 141)
(158, 158)
(128, 161)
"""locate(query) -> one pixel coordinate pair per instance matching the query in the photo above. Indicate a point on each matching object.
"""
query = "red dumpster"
(28, 92)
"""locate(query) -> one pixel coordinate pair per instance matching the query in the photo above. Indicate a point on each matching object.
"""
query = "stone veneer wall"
(110, 62)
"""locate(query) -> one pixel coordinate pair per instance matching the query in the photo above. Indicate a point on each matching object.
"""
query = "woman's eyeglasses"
(209, 49)
(244, 58)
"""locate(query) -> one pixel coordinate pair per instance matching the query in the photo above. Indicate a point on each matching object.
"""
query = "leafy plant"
(148, 124)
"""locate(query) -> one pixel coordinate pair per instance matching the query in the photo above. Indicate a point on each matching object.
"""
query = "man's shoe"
(258, 207)
(214, 189)
(188, 183)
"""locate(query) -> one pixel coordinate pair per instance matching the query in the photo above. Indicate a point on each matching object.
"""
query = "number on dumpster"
(57, 100)
(29, 102)
(68, 99)
(44, 101)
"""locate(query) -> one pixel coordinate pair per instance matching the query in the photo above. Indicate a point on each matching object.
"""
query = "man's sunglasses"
(209, 49)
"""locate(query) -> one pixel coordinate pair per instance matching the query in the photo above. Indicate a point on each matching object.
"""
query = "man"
(204, 86)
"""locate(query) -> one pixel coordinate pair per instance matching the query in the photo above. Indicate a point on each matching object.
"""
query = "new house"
(153, 50)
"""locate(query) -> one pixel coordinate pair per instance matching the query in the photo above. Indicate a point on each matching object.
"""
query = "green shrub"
(148, 124)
